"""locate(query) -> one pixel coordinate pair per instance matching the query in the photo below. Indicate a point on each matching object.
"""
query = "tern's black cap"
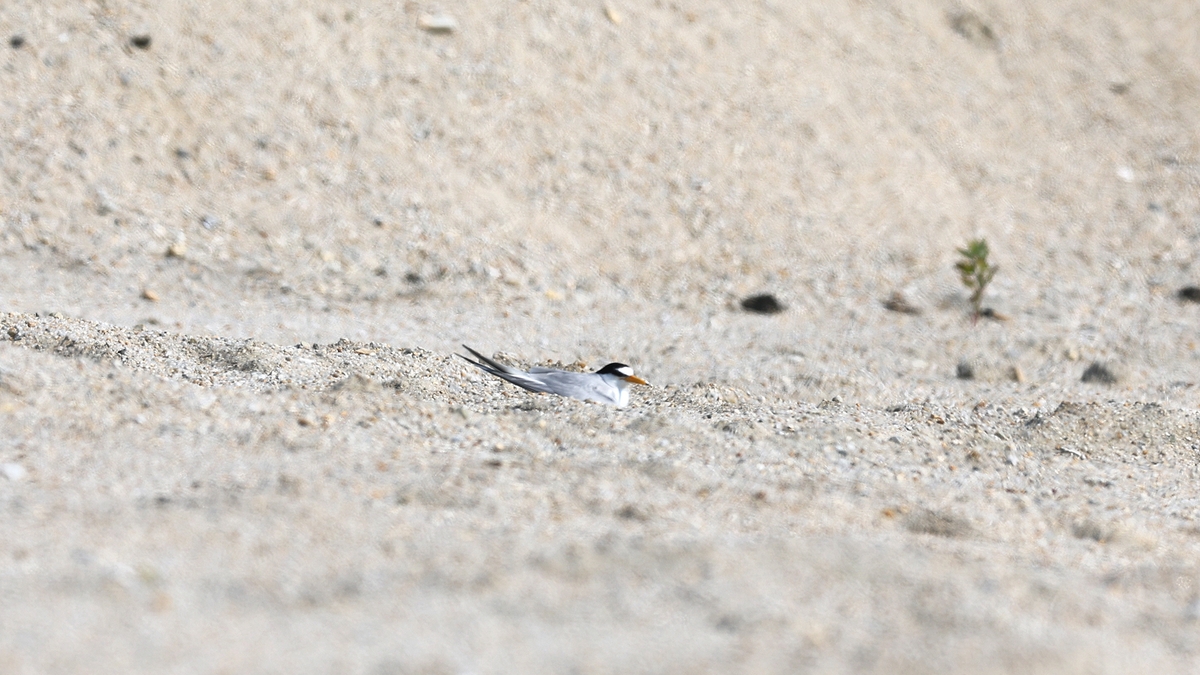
(619, 369)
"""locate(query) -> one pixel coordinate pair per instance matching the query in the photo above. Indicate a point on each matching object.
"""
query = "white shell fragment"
(11, 471)
(437, 23)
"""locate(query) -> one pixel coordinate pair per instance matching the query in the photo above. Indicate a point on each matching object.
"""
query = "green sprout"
(976, 272)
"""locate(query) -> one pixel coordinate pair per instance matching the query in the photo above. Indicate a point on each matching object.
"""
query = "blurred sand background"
(241, 241)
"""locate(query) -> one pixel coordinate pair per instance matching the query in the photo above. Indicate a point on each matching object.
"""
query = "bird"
(608, 385)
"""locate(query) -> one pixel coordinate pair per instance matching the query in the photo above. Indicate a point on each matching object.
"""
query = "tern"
(608, 385)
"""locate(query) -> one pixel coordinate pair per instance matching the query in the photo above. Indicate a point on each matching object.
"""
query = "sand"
(240, 244)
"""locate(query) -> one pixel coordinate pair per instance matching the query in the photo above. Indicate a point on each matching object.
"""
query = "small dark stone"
(1190, 293)
(631, 512)
(964, 371)
(16, 41)
(1099, 373)
(140, 41)
(898, 303)
(764, 303)
(970, 26)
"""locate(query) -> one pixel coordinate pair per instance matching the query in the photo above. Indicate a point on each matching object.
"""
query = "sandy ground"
(240, 243)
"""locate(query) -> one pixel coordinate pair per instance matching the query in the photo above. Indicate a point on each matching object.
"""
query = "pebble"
(16, 41)
(437, 23)
(974, 29)
(1098, 373)
(1189, 293)
(140, 41)
(150, 295)
(763, 303)
(898, 303)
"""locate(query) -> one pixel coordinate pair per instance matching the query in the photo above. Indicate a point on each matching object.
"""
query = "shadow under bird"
(608, 385)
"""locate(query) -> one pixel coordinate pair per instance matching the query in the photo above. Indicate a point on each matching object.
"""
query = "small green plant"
(976, 272)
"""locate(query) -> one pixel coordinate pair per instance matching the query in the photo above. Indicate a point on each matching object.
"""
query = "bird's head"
(622, 371)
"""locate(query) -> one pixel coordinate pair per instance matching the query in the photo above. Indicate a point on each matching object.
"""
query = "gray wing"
(584, 386)
(517, 377)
